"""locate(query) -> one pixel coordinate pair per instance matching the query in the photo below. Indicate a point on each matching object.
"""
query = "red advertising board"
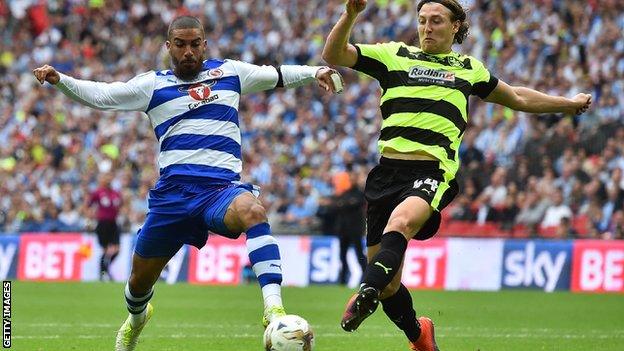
(425, 264)
(598, 266)
(219, 262)
(52, 257)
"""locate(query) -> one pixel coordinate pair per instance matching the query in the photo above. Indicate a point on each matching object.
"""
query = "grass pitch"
(85, 316)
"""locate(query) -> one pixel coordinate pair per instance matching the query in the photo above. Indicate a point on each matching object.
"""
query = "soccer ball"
(288, 333)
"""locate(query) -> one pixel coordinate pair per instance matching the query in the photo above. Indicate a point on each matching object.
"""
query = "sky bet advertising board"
(437, 264)
(8, 256)
(540, 264)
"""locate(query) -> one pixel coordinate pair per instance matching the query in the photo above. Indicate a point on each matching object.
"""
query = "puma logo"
(275, 265)
(386, 269)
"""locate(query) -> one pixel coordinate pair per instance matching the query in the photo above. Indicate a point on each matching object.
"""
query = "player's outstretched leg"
(380, 271)
(138, 292)
(399, 308)
(140, 313)
(267, 265)
(359, 307)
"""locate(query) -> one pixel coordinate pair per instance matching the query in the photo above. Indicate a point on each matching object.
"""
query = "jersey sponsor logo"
(199, 91)
(431, 76)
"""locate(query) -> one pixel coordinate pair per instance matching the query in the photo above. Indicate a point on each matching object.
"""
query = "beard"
(184, 70)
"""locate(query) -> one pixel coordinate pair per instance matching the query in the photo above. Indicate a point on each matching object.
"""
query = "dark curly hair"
(458, 14)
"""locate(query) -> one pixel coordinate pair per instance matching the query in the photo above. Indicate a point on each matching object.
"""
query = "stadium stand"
(299, 142)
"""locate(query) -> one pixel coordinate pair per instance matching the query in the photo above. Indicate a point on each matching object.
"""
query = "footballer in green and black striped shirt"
(424, 106)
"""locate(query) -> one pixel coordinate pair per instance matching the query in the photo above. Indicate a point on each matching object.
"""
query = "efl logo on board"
(221, 261)
(598, 266)
(52, 257)
(425, 264)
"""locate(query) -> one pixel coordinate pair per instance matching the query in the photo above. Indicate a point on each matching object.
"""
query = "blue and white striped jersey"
(196, 122)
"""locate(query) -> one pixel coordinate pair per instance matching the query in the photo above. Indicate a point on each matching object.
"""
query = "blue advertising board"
(537, 264)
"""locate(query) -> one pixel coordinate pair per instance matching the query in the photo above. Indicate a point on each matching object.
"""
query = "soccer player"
(424, 104)
(193, 109)
(108, 202)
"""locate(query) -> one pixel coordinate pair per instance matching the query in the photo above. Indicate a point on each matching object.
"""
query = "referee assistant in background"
(107, 202)
(424, 104)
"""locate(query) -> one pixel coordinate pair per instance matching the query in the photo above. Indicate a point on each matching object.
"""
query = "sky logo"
(543, 265)
(8, 257)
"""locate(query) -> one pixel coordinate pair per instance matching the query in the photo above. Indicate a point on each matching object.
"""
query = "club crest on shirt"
(199, 91)
(215, 73)
(431, 76)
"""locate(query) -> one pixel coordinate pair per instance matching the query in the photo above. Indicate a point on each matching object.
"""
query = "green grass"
(85, 316)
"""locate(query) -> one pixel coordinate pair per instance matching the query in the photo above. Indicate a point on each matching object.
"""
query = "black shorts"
(107, 233)
(392, 181)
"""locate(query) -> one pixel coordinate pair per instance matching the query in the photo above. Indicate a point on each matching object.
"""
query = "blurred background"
(522, 175)
(540, 205)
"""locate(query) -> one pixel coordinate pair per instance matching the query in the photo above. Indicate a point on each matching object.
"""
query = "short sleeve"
(373, 59)
(484, 82)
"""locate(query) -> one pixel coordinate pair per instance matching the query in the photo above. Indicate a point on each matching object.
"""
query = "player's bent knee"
(398, 224)
(255, 215)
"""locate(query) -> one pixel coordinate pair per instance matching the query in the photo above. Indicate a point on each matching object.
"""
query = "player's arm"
(255, 78)
(533, 101)
(337, 50)
(133, 95)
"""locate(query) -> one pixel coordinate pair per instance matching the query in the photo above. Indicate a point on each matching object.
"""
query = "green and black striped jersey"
(424, 101)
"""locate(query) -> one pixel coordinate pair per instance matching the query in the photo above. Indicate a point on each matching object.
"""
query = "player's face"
(435, 29)
(187, 48)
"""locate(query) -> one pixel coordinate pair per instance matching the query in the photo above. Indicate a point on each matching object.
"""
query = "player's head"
(105, 179)
(440, 24)
(186, 42)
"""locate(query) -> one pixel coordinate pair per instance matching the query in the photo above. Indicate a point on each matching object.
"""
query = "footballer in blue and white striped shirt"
(193, 109)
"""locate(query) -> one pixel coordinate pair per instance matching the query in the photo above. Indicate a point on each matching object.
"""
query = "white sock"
(272, 294)
(137, 319)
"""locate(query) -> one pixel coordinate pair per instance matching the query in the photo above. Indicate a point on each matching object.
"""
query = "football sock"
(106, 260)
(400, 310)
(104, 263)
(137, 305)
(112, 258)
(384, 265)
(266, 263)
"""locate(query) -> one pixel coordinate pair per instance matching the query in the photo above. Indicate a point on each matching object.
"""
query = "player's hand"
(354, 7)
(580, 104)
(325, 80)
(47, 73)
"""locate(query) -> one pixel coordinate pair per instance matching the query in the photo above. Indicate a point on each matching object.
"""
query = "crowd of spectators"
(518, 169)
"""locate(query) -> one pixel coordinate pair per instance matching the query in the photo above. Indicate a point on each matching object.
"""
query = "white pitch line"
(513, 331)
(332, 335)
